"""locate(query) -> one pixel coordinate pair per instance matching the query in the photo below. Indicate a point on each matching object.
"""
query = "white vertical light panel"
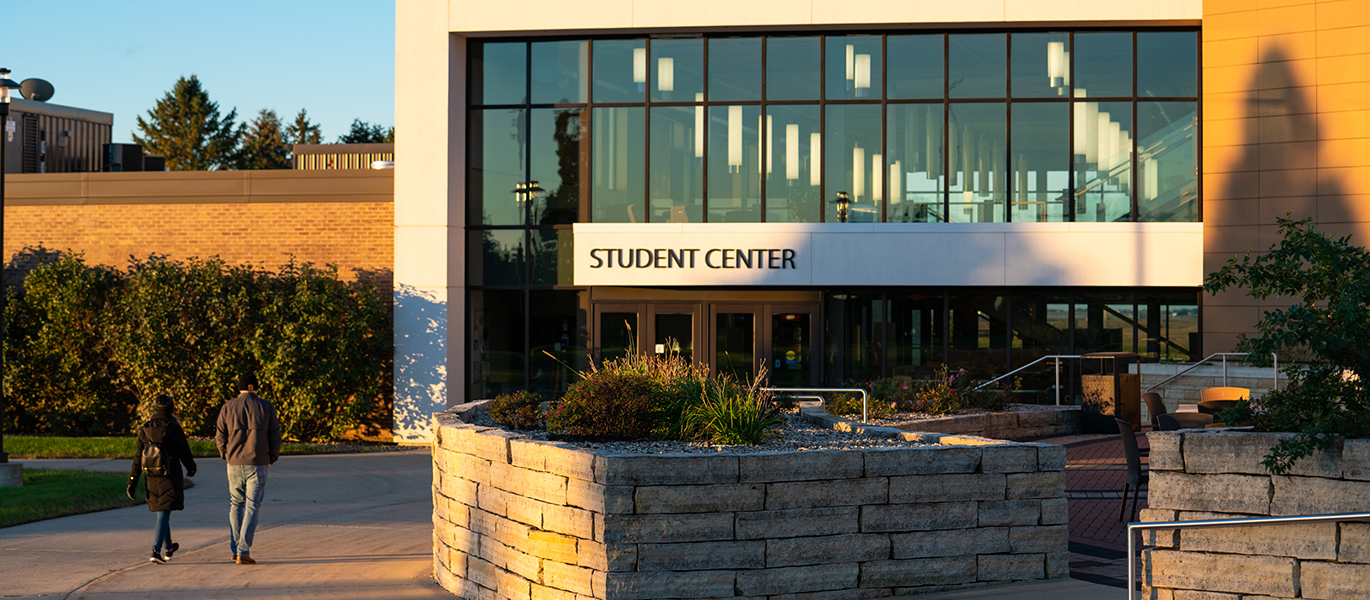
(734, 138)
(815, 158)
(858, 173)
(699, 126)
(877, 173)
(665, 74)
(792, 151)
(639, 65)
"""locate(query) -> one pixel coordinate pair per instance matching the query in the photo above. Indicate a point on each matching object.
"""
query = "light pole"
(6, 84)
(842, 201)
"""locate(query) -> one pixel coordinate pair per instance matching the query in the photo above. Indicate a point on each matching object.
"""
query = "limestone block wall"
(526, 519)
(1216, 474)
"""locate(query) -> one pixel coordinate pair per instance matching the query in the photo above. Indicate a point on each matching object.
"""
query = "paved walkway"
(332, 527)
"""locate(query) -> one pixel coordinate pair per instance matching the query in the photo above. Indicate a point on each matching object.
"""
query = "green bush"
(618, 405)
(1327, 398)
(730, 413)
(83, 343)
(519, 410)
(949, 392)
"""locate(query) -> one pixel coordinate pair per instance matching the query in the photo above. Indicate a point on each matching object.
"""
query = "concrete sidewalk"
(332, 526)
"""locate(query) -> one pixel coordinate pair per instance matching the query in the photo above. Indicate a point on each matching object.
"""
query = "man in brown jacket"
(249, 438)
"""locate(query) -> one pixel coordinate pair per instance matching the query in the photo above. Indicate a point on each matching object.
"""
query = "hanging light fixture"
(734, 139)
(665, 74)
(815, 159)
(1056, 66)
(877, 172)
(640, 67)
(858, 172)
(861, 75)
(792, 151)
(699, 125)
(526, 192)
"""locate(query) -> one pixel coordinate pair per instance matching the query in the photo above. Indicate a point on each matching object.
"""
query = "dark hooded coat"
(164, 493)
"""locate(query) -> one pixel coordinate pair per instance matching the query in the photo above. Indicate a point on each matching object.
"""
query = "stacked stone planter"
(1216, 474)
(526, 519)
(1033, 422)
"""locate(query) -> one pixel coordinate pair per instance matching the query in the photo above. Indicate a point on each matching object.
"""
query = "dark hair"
(164, 405)
(246, 380)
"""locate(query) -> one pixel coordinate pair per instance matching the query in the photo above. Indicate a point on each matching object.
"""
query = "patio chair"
(1178, 421)
(1136, 475)
(1224, 393)
(1154, 405)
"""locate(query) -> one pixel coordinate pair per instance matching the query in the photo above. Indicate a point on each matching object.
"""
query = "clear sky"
(335, 58)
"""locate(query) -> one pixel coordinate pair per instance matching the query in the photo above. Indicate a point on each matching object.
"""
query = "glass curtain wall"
(1037, 126)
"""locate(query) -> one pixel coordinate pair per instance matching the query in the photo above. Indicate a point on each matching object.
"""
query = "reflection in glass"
(617, 335)
(551, 257)
(917, 330)
(734, 69)
(976, 160)
(1041, 327)
(1168, 327)
(916, 181)
(675, 334)
(915, 66)
(1167, 160)
(1104, 323)
(1167, 64)
(854, 162)
(795, 152)
(790, 365)
(497, 166)
(498, 255)
(677, 165)
(1041, 65)
(498, 72)
(853, 66)
(1103, 161)
(735, 163)
(620, 70)
(735, 345)
(497, 358)
(618, 153)
(1103, 65)
(559, 141)
(856, 336)
(979, 334)
(677, 70)
(792, 68)
(976, 65)
(1041, 163)
(557, 329)
(558, 71)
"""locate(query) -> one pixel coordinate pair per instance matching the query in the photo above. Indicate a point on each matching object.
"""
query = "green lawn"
(49, 493)
(27, 446)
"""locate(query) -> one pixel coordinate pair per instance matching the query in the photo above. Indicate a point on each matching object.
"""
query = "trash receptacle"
(1113, 393)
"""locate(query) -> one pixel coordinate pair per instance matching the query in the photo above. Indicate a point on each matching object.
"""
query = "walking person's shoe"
(157, 558)
(244, 559)
(172, 550)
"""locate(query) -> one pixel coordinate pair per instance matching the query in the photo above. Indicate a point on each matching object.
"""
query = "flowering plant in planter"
(1329, 322)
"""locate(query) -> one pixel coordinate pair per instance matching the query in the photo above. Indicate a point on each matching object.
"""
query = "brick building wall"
(264, 217)
(1286, 129)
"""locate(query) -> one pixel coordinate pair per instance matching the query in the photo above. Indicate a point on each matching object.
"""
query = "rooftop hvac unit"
(123, 157)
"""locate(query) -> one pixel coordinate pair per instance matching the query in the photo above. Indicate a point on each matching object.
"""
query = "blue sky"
(335, 58)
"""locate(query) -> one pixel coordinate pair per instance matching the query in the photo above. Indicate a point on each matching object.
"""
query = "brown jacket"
(248, 432)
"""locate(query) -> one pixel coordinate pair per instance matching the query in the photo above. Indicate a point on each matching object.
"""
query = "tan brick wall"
(241, 217)
(1286, 113)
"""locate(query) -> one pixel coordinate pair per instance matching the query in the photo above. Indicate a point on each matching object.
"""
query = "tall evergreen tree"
(263, 143)
(366, 133)
(186, 128)
(301, 131)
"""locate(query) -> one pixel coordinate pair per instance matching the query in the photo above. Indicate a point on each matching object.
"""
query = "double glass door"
(736, 339)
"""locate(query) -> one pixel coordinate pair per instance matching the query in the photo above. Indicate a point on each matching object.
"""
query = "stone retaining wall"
(1034, 422)
(1216, 474)
(525, 519)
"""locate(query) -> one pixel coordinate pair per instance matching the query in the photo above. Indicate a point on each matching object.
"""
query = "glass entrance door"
(791, 355)
(674, 329)
(735, 349)
(618, 330)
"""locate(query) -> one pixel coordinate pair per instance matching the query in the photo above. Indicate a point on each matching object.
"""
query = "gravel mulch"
(794, 434)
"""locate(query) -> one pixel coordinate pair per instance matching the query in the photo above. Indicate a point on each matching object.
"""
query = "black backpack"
(155, 461)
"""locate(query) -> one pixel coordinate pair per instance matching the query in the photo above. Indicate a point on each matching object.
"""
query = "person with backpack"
(162, 449)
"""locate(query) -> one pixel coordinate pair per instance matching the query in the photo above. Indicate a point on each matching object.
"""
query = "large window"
(1038, 126)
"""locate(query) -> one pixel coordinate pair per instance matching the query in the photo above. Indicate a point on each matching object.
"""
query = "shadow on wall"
(26, 260)
(420, 361)
(1277, 173)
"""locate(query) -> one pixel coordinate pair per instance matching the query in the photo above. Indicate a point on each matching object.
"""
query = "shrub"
(519, 410)
(610, 405)
(733, 414)
(1327, 397)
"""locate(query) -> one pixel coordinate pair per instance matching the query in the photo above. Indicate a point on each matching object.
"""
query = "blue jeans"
(161, 534)
(246, 485)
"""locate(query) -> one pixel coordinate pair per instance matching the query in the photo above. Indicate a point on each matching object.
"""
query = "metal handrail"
(1058, 358)
(1215, 523)
(864, 396)
(1224, 356)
